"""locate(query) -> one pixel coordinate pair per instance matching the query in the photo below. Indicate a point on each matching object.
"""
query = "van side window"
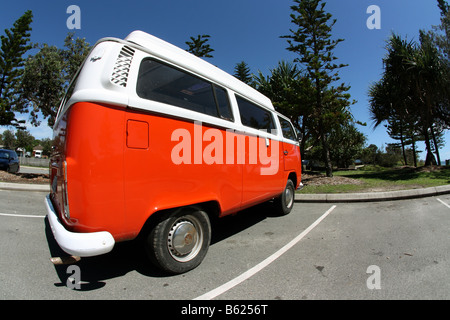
(223, 103)
(254, 116)
(286, 128)
(166, 84)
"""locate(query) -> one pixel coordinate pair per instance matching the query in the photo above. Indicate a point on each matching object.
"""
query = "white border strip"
(443, 203)
(249, 273)
(20, 215)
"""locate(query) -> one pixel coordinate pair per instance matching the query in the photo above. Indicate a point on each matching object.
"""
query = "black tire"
(10, 170)
(179, 242)
(285, 202)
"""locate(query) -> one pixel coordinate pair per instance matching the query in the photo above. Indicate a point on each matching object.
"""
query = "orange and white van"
(153, 141)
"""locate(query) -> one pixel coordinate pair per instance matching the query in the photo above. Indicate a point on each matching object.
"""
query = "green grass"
(374, 179)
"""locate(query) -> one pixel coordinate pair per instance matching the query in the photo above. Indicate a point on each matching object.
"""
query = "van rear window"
(254, 116)
(163, 83)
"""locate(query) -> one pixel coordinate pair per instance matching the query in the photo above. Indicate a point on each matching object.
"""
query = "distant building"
(38, 151)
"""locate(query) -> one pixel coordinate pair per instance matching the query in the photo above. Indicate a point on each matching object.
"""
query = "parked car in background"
(9, 161)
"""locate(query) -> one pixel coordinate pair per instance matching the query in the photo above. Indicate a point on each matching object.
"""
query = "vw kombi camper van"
(152, 141)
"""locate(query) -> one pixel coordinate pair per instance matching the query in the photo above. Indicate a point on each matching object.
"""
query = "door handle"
(285, 152)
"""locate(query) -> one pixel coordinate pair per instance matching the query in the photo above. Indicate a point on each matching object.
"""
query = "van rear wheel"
(179, 242)
(285, 202)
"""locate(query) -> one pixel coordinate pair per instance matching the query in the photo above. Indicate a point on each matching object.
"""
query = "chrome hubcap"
(289, 197)
(185, 239)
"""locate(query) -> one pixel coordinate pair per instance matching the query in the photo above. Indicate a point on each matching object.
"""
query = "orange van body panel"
(94, 154)
(154, 182)
(120, 168)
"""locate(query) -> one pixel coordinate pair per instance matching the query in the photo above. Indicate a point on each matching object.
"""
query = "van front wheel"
(180, 241)
(285, 202)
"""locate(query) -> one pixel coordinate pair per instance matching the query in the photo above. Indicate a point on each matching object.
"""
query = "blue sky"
(240, 30)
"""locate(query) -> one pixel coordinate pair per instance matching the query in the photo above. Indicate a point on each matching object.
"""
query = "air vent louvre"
(122, 68)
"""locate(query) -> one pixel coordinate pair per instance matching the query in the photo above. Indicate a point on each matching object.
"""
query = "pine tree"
(14, 44)
(404, 129)
(441, 33)
(242, 72)
(443, 6)
(314, 46)
(199, 47)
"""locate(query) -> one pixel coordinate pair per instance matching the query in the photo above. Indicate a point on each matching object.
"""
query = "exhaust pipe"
(58, 261)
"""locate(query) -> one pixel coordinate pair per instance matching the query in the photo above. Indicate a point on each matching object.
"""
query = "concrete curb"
(299, 197)
(375, 196)
(24, 187)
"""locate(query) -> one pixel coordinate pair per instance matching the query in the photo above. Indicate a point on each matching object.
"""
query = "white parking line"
(443, 203)
(20, 215)
(249, 273)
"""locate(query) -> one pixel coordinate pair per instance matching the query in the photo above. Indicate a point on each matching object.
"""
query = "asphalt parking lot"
(375, 250)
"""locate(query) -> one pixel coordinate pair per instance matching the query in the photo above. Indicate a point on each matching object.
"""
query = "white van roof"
(171, 53)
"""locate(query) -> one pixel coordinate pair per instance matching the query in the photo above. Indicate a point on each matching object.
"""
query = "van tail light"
(65, 193)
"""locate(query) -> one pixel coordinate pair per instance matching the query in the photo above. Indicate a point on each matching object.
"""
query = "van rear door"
(291, 150)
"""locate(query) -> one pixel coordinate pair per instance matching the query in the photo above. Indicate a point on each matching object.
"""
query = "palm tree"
(430, 86)
(414, 87)
(290, 91)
